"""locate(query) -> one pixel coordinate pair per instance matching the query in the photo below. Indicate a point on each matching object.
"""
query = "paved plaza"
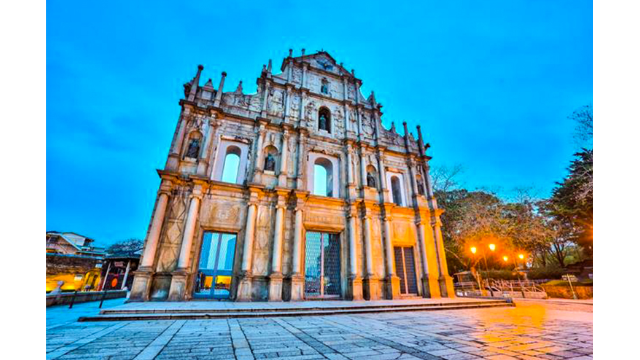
(531, 330)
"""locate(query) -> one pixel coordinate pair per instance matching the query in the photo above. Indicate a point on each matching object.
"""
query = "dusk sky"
(491, 84)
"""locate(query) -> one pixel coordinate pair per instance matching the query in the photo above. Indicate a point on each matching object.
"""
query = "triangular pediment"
(324, 61)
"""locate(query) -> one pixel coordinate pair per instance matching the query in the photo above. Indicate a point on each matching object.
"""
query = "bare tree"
(445, 178)
(584, 119)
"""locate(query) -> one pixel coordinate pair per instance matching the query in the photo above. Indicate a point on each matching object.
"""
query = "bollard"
(102, 300)
(73, 299)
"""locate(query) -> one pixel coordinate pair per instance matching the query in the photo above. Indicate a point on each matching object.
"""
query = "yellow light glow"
(473, 249)
(505, 258)
(492, 247)
(521, 256)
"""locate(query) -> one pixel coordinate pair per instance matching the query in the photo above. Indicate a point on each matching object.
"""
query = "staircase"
(159, 313)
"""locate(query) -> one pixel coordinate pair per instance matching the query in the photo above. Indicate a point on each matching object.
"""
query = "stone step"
(300, 312)
(296, 309)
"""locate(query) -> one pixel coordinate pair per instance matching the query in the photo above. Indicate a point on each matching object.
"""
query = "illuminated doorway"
(406, 270)
(215, 268)
(322, 270)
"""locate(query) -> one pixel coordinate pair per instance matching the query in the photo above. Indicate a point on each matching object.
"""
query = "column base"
(431, 287)
(354, 291)
(446, 286)
(244, 289)
(141, 286)
(392, 287)
(372, 289)
(297, 288)
(178, 286)
(275, 287)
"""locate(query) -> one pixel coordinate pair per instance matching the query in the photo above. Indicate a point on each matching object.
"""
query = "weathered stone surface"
(283, 119)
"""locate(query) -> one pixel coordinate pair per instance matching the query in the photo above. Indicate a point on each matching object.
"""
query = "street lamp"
(505, 258)
(473, 249)
(521, 256)
(492, 247)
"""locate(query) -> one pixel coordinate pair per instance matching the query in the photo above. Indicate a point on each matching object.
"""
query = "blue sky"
(491, 83)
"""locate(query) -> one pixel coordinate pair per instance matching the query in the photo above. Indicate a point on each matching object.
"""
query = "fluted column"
(247, 249)
(300, 168)
(177, 290)
(187, 239)
(151, 246)
(297, 242)
(297, 280)
(244, 292)
(282, 176)
(367, 245)
(142, 280)
(391, 271)
(275, 279)
(392, 282)
(257, 168)
(446, 282)
(276, 260)
(354, 290)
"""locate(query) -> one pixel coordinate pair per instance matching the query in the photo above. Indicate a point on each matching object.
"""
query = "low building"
(72, 259)
(117, 270)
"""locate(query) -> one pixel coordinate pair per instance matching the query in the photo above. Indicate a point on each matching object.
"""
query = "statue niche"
(193, 150)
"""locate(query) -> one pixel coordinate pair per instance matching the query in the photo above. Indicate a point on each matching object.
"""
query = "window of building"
(324, 119)
(323, 177)
(231, 165)
(396, 191)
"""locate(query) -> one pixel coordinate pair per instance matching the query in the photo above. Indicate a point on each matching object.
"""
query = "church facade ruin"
(296, 192)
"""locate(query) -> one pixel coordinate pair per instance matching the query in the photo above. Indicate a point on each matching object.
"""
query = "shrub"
(500, 275)
(546, 273)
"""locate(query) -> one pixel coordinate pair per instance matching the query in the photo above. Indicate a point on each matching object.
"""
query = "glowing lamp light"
(505, 258)
(521, 256)
(473, 249)
(492, 247)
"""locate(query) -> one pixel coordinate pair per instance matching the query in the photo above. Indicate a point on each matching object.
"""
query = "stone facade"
(378, 201)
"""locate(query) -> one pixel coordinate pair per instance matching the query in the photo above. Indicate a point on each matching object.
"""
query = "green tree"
(126, 247)
(572, 201)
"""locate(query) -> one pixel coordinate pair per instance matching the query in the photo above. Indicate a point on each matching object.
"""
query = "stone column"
(363, 169)
(142, 281)
(257, 168)
(430, 285)
(392, 282)
(244, 288)
(383, 178)
(275, 279)
(355, 281)
(371, 283)
(282, 176)
(297, 280)
(177, 290)
(300, 170)
(174, 153)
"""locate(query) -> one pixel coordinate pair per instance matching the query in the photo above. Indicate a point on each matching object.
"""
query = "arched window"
(324, 88)
(372, 176)
(323, 177)
(193, 146)
(231, 165)
(396, 192)
(324, 119)
(270, 158)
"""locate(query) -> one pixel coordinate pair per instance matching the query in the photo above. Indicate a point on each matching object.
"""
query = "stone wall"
(270, 210)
